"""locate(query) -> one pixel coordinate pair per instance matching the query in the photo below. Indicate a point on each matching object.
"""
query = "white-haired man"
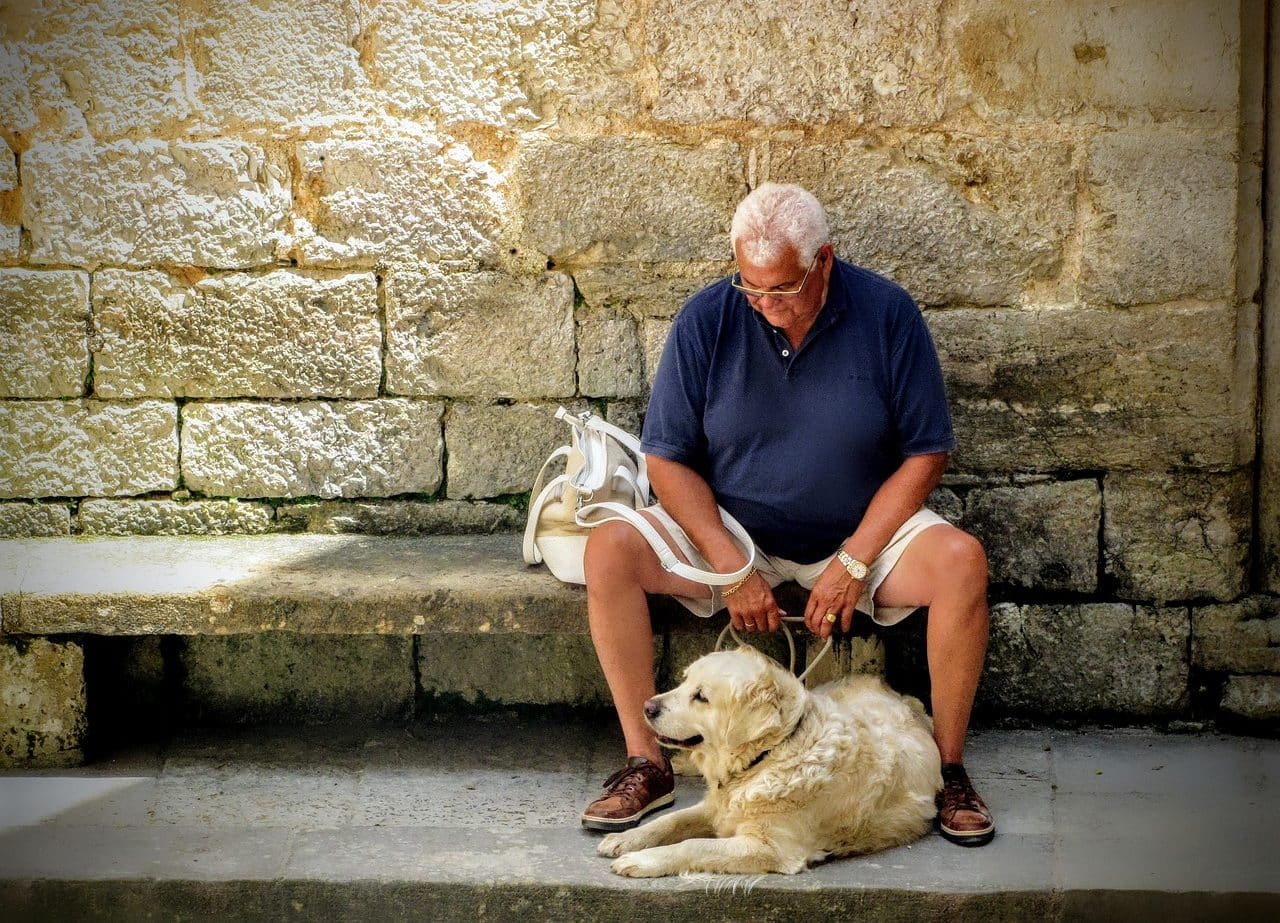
(804, 395)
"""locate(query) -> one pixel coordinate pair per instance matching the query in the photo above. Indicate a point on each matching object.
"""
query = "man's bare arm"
(686, 495)
(688, 498)
(893, 504)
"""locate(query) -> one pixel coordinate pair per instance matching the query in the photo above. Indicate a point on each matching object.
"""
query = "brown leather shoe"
(963, 816)
(629, 794)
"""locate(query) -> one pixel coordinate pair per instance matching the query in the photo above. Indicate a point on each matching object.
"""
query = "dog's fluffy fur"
(849, 768)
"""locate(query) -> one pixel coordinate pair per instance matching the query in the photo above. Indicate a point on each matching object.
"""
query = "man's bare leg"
(620, 569)
(945, 569)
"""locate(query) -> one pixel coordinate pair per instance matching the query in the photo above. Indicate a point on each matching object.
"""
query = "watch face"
(856, 568)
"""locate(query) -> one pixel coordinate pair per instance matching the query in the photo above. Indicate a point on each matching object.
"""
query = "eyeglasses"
(736, 282)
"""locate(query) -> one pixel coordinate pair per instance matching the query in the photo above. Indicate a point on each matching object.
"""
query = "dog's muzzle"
(652, 709)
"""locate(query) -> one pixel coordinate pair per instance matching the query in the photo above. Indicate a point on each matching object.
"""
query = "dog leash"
(791, 644)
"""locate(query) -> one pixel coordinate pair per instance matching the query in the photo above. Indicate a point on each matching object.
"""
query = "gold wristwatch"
(857, 570)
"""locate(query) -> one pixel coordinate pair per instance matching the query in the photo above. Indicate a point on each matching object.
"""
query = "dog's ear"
(791, 696)
(766, 705)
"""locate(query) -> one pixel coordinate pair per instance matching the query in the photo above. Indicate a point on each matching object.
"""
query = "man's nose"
(652, 708)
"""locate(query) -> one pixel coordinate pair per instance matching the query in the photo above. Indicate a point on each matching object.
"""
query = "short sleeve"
(921, 413)
(673, 420)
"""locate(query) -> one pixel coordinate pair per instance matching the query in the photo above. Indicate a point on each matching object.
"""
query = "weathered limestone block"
(19, 520)
(629, 199)
(44, 335)
(1094, 61)
(795, 60)
(170, 517)
(1040, 388)
(1254, 697)
(848, 657)
(87, 448)
(691, 637)
(42, 703)
(1041, 536)
(1183, 536)
(487, 62)
(216, 203)
(945, 502)
(283, 334)
(1241, 637)
(108, 68)
(629, 415)
(404, 196)
(1164, 217)
(479, 334)
(498, 450)
(274, 62)
(10, 200)
(400, 517)
(951, 218)
(279, 676)
(514, 669)
(17, 112)
(646, 289)
(1086, 659)
(609, 358)
(313, 448)
(653, 337)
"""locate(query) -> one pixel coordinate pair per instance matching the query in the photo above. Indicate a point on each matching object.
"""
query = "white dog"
(793, 777)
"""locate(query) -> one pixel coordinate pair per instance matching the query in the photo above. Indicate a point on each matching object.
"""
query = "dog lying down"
(793, 777)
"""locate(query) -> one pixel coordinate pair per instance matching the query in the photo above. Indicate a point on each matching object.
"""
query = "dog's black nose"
(652, 708)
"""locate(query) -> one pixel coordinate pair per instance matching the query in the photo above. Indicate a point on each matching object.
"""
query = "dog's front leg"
(743, 854)
(670, 828)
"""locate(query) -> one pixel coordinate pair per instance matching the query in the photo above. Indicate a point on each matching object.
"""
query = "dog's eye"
(698, 696)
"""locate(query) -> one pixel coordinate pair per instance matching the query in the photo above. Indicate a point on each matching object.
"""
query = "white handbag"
(605, 480)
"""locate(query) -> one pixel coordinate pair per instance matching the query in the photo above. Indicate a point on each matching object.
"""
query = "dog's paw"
(639, 865)
(625, 841)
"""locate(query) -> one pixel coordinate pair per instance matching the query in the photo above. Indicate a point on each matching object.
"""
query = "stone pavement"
(459, 818)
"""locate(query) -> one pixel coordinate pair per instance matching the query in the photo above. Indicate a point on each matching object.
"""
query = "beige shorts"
(779, 570)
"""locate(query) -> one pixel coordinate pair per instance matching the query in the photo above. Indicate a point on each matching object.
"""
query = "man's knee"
(961, 557)
(612, 545)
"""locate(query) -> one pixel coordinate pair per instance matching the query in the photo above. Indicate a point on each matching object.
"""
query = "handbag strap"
(670, 562)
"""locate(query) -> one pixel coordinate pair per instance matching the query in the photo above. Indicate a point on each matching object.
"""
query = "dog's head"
(731, 707)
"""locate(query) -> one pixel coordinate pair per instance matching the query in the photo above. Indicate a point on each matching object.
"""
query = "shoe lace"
(958, 790)
(626, 780)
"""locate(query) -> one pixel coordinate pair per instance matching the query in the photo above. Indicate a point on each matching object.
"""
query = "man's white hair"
(775, 217)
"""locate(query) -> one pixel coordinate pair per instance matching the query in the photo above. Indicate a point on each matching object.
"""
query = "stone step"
(462, 819)
(312, 584)
(315, 627)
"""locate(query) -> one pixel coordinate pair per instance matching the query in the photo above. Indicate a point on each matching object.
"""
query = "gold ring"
(831, 617)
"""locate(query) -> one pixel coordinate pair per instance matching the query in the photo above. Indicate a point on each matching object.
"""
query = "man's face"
(785, 274)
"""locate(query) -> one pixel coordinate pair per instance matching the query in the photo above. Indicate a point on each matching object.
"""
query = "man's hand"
(836, 591)
(753, 608)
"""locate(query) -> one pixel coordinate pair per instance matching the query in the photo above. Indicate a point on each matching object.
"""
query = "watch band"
(857, 570)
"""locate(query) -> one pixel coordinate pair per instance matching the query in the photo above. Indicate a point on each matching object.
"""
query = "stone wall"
(331, 265)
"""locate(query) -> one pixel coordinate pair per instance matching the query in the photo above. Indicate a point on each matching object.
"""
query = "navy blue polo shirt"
(795, 442)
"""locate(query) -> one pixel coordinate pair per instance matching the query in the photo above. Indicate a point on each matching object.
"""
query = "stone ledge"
(322, 584)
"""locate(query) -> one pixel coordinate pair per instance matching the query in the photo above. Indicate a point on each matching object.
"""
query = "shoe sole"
(967, 837)
(611, 824)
